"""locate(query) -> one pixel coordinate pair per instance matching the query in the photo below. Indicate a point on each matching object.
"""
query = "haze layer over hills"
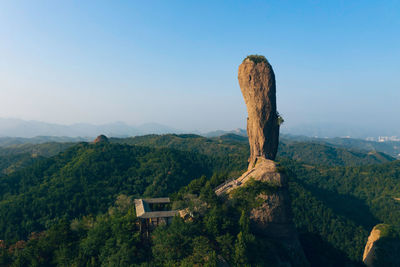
(30, 129)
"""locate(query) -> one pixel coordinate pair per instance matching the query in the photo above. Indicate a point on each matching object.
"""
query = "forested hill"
(319, 154)
(366, 194)
(391, 148)
(44, 149)
(86, 179)
(227, 149)
(337, 207)
(17, 156)
(231, 144)
(67, 200)
(225, 145)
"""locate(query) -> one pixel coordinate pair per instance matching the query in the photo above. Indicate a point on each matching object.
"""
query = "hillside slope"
(335, 202)
(230, 150)
(236, 146)
(338, 206)
(86, 178)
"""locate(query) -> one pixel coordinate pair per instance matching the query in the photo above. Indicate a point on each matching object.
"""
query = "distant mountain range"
(324, 130)
(29, 129)
(85, 131)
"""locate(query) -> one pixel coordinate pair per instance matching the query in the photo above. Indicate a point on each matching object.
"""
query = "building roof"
(159, 214)
(143, 209)
(160, 200)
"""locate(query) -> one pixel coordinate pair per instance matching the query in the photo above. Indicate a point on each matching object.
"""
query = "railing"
(224, 184)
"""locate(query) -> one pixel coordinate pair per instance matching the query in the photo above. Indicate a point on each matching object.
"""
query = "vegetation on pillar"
(256, 58)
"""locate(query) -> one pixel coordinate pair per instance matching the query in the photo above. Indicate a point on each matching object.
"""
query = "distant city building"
(388, 138)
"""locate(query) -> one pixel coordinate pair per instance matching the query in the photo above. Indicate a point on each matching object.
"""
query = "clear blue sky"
(175, 62)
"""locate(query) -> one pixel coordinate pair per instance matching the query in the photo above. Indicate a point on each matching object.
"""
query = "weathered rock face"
(257, 83)
(272, 219)
(264, 171)
(369, 251)
(382, 248)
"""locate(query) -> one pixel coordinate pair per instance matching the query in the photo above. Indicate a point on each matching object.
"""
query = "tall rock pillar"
(257, 82)
(271, 217)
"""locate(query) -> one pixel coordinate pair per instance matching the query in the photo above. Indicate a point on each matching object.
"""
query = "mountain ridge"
(28, 129)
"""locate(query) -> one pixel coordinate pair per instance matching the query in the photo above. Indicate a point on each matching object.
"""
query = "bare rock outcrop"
(382, 248)
(369, 251)
(273, 218)
(257, 83)
(264, 171)
(101, 139)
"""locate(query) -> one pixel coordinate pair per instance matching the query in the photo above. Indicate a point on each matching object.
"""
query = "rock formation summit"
(257, 83)
(101, 139)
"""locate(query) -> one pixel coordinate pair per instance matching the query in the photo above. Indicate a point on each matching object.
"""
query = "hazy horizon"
(10, 127)
(175, 63)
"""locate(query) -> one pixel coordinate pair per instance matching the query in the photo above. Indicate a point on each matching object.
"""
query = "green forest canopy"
(62, 208)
